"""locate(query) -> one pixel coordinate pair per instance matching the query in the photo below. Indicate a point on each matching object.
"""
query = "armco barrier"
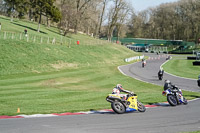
(134, 58)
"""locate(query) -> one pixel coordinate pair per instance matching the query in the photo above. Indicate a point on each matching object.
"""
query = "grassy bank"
(45, 78)
(56, 79)
(180, 66)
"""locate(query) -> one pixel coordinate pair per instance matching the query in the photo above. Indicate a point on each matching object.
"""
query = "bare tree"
(123, 18)
(114, 16)
(179, 20)
(68, 15)
(102, 15)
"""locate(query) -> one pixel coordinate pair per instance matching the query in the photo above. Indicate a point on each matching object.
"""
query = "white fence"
(134, 58)
(62, 40)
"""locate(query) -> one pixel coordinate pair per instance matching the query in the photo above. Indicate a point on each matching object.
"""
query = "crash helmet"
(119, 87)
(167, 81)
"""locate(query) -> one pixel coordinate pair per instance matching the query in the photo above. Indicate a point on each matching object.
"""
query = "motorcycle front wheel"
(185, 102)
(118, 107)
(141, 107)
(172, 100)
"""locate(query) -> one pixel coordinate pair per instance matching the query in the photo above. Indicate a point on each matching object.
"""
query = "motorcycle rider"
(198, 81)
(143, 62)
(118, 89)
(167, 85)
(174, 88)
(160, 73)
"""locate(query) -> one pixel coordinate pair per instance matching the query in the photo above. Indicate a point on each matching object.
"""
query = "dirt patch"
(59, 81)
(35, 71)
(51, 83)
(62, 65)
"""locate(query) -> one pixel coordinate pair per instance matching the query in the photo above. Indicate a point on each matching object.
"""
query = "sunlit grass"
(180, 66)
(45, 78)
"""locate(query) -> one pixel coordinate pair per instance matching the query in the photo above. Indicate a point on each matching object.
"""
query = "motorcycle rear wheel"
(118, 107)
(172, 100)
(141, 107)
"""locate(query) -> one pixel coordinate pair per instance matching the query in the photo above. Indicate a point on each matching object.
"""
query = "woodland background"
(110, 18)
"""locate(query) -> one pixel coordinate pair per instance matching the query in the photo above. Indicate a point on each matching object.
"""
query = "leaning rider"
(119, 89)
(160, 72)
(169, 85)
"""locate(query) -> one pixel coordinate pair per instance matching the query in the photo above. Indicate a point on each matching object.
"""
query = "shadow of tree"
(30, 28)
(57, 32)
(5, 18)
(163, 104)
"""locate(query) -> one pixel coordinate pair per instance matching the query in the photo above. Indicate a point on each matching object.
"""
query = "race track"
(162, 119)
(150, 73)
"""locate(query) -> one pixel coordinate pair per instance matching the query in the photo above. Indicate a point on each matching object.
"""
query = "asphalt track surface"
(162, 119)
(150, 73)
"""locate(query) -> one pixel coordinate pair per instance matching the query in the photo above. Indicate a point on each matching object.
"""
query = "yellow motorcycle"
(120, 106)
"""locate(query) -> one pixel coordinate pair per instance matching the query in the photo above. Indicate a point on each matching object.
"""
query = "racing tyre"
(141, 107)
(172, 100)
(185, 102)
(118, 107)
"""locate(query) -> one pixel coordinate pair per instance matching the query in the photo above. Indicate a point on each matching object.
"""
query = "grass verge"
(45, 78)
(180, 66)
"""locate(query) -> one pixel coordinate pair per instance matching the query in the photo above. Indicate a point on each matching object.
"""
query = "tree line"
(34, 9)
(171, 21)
(111, 18)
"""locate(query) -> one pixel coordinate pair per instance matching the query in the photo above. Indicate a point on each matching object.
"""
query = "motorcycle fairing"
(114, 96)
(130, 109)
(133, 103)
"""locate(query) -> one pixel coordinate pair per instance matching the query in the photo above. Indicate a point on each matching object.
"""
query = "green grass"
(180, 66)
(45, 78)
(192, 132)
(15, 30)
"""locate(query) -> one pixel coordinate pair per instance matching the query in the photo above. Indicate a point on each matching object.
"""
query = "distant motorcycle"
(119, 105)
(168, 58)
(198, 81)
(144, 62)
(174, 96)
(160, 74)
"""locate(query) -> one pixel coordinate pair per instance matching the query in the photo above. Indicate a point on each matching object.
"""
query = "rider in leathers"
(174, 88)
(119, 89)
(160, 73)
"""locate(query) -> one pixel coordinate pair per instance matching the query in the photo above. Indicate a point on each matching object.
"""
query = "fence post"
(70, 41)
(12, 36)
(54, 41)
(27, 38)
(20, 37)
(48, 40)
(61, 41)
(41, 40)
(5, 35)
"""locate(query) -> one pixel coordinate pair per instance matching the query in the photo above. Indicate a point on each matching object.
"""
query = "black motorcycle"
(198, 82)
(174, 96)
(168, 58)
(160, 74)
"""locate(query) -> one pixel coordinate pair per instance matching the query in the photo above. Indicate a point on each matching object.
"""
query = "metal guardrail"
(134, 58)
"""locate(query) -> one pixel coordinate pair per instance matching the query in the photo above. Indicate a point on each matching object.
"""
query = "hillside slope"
(23, 56)
(49, 78)
(54, 78)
